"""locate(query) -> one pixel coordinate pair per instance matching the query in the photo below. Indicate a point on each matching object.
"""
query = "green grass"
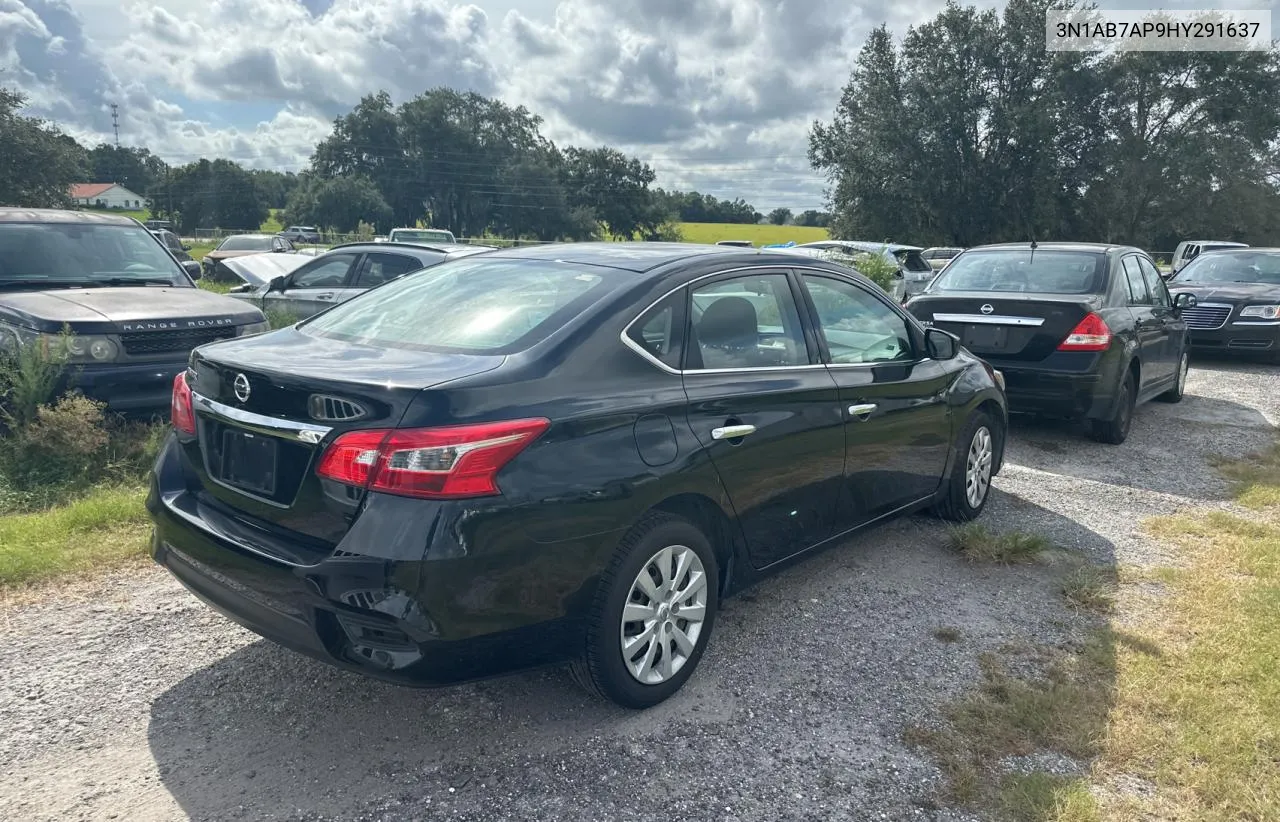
(105, 528)
(141, 215)
(757, 234)
(198, 250)
(978, 544)
(272, 225)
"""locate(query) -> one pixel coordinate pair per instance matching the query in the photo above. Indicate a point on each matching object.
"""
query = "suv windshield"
(1232, 267)
(83, 254)
(470, 305)
(1013, 270)
(245, 242)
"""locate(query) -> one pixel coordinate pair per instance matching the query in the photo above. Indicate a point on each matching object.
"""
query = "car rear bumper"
(132, 388)
(425, 622)
(1067, 385)
(1260, 337)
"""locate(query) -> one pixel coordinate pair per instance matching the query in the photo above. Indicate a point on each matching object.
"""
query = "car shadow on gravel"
(797, 711)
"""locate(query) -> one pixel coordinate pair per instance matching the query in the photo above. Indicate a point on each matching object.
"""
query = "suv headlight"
(1266, 312)
(78, 348)
(253, 328)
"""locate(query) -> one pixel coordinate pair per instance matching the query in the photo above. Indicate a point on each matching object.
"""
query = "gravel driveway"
(134, 701)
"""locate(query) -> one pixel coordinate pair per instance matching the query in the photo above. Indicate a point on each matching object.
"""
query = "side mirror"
(192, 268)
(276, 284)
(186, 248)
(1184, 301)
(941, 345)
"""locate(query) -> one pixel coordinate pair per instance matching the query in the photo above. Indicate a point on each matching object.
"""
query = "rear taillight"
(180, 412)
(1090, 334)
(434, 463)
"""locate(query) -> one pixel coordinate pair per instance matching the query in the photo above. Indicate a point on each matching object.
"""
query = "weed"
(1089, 587)
(946, 633)
(978, 544)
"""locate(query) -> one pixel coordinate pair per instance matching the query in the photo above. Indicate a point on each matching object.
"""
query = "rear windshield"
(912, 261)
(1236, 266)
(423, 236)
(83, 254)
(1015, 270)
(246, 244)
(480, 305)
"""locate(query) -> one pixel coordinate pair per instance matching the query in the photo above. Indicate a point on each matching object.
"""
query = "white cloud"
(716, 94)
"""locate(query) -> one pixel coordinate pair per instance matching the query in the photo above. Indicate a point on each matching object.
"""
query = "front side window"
(330, 272)
(80, 254)
(747, 322)
(1134, 283)
(1155, 286)
(858, 327)
(479, 304)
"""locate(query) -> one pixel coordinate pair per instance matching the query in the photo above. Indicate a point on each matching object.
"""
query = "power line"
(115, 122)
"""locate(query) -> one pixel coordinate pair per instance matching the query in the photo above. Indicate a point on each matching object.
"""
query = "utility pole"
(115, 122)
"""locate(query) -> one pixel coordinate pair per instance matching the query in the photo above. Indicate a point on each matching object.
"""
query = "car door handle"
(328, 295)
(732, 432)
(862, 411)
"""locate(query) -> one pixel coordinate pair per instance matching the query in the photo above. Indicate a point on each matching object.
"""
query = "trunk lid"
(1023, 327)
(268, 406)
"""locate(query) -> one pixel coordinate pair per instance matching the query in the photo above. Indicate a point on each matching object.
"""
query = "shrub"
(64, 445)
(31, 377)
(280, 318)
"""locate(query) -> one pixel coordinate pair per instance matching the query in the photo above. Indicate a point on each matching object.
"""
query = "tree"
(616, 188)
(214, 194)
(38, 163)
(274, 187)
(137, 169)
(339, 204)
(972, 132)
(780, 216)
(816, 219)
(692, 207)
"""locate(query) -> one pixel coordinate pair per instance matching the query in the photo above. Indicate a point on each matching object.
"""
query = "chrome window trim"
(990, 319)
(303, 432)
(652, 360)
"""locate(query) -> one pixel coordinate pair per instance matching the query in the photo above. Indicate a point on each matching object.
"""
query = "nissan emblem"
(986, 309)
(241, 387)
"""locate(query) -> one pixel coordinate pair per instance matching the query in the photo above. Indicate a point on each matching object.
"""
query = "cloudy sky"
(716, 95)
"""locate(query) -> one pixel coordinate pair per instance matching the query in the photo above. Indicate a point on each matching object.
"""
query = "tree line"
(449, 159)
(968, 131)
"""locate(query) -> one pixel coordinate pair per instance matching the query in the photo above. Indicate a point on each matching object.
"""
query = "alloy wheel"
(664, 615)
(977, 472)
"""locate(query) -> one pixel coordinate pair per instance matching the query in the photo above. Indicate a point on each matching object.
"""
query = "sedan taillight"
(1090, 334)
(452, 462)
(180, 411)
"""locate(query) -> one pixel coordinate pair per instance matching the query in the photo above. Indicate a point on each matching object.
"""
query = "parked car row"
(465, 461)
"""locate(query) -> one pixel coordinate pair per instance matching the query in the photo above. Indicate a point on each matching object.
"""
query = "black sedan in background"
(1237, 295)
(558, 453)
(1079, 330)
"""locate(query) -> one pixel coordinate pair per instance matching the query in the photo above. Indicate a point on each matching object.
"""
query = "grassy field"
(757, 234)
(105, 528)
(1172, 704)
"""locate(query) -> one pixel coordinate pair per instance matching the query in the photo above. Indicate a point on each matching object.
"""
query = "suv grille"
(161, 342)
(1206, 316)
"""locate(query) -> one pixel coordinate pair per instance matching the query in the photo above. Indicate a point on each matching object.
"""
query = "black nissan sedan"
(1237, 295)
(1079, 330)
(564, 453)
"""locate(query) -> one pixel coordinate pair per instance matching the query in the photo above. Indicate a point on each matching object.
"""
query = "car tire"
(1115, 430)
(973, 466)
(660, 666)
(1179, 389)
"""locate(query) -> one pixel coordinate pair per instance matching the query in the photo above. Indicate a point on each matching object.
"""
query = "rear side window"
(481, 304)
(380, 268)
(1023, 270)
(660, 331)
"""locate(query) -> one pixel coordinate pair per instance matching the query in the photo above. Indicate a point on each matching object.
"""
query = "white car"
(1188, 250)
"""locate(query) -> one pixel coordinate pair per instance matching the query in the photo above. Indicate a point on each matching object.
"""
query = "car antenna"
(1033, 250)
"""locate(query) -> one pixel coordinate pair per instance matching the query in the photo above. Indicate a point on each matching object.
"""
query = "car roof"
(251, 234)
(435, 248)
(628, 256)
(864, 245)
(1100, 248)
(1216, 242)
(57, 215)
